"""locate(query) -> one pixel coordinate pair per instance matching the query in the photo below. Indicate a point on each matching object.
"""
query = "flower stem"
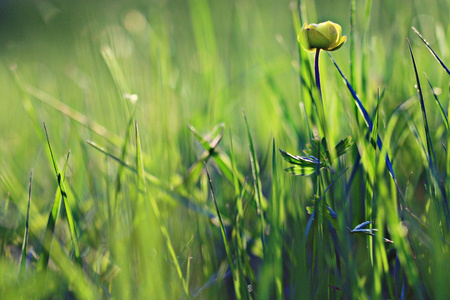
(321, 110)
(316, 69)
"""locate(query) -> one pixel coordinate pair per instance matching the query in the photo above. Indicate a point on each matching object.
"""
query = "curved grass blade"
(431, 154)
(343, 147)
(257, 183)
(210, 143)
(237, 288)
(308, 225)
(303, 165)
(360, 229)
(71, 113)
(215, 136)
(51, 224)
(139, 163)
(23, 258)
(70, 221)
(367, 120)
(242, 259)
(431, 50)
(438, 103)
(374, 135)
(126, 141)
(212, 150)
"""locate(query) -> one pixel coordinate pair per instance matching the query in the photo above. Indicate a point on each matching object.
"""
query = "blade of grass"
(139, 167)
(438, 103)
(256, 183)
(431, 50)
(237, 189)
(370, 205)
(305, 71)
(72, 114)
(117, 74)
(212, 150)
(225, 241)
(210, 143)
(23, 259)
(277, 221)
(83, 286)
(51, 224)
(367, 120)
(242, 261)
(62, 188)
(122, 156)
(431, 154)
(430, 149)
(365, 48)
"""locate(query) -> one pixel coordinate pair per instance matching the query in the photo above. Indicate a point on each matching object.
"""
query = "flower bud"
(326, 36)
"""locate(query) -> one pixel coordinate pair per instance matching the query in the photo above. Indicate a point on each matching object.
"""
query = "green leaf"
(301, 171)
(304, 166)
(360, 229)
(343, 147)
(316, 147)
(210, 143)
(211, 139)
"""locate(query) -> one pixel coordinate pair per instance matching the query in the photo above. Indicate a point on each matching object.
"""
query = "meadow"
(167, 149)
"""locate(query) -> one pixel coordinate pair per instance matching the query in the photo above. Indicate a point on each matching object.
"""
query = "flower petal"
(339, 44)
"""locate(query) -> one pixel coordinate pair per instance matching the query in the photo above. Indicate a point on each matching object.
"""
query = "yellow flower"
(326, 36)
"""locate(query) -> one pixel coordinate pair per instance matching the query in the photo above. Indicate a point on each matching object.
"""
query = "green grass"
(172, 192)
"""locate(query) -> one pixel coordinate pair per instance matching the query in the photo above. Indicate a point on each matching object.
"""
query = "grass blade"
(242, 259)
(257, 183)
(212, 150)
(431, 50)
(70, 221)
(430, 149)
(23, 258)
(72, 113)
(225, 241)
(367, 120)
(139, 163)
(51, 225)
(123, 155)
(431, 155)
(438, 103)
(277, 221)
